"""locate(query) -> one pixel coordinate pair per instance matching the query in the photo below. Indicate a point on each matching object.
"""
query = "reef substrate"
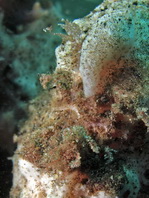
(87, 133)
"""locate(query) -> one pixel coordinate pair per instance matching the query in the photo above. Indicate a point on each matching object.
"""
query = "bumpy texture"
(110, 39)
(87, 135)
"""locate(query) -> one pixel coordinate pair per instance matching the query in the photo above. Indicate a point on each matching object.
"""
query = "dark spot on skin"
(146, 174)
(135, 3)
(126, 194)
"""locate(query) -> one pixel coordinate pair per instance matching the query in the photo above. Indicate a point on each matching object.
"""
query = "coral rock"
(87, 134)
